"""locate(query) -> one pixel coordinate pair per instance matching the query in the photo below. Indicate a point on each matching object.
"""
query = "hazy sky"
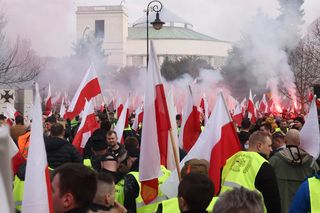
(51, 24)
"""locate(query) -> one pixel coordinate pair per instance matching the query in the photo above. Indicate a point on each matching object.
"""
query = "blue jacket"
(301, 200)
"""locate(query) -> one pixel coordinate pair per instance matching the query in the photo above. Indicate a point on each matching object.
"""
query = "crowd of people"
(272, 172)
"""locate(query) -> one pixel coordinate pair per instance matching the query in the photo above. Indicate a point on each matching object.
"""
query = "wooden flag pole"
(174, 148)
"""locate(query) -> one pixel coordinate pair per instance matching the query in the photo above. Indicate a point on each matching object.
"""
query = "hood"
(54, 143)
(294, 155)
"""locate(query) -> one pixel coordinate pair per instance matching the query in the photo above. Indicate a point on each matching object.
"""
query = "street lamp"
(155, 6)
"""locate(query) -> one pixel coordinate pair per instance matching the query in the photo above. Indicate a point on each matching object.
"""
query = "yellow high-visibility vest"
(314, 191)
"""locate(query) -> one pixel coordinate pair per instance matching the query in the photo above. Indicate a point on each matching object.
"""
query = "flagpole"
(176, 160)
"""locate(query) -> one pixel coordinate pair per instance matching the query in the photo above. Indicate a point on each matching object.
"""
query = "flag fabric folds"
(216, 144)
(48, 103)
(190, 127)
(251, 109)
(155, 129)
(6, 199)
(88, 89)
(237, 115)
(309, 134)
(123, 120)
(87, 127)
(37, 196)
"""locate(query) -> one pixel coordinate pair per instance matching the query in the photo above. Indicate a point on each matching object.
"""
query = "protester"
(49, 121)
(73, 188)
(307, 197)
(60, 151)
(278, 142)
(292, 165)
(113, 145)
(18, 129)
(239, 200)
(244, 133)
(298, 122)
(104, 199)
(195, 192)
(250, 169)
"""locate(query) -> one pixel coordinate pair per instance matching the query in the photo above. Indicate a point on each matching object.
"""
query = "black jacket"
(60, 151)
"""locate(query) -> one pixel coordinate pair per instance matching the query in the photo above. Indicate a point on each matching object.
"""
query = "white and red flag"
(217, 142)
(11, 113)
(190, 126)
(237, 115)
(309, 134)
(62, 108)
(88, 89)
(88, 125)
(48, 102)
(122, 122)
(155, 131)
(138, 118)
(263, 104)
(251, 109)
(204, 107)
(37, 196)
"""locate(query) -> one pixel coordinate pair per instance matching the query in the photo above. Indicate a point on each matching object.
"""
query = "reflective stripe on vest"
(241, 170)
(18, 186)
(314, 191)
(151, 207)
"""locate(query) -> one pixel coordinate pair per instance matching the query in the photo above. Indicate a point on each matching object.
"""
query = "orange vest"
(23, 144)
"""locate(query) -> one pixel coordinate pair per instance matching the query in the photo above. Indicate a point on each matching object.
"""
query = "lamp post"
(155, 6)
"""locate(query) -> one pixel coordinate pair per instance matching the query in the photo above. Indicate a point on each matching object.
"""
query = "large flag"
(190, 127)
(37, 196)
(204, 107)
(122, 121)
(216, 144)
(155, 129)
(6, 199)
(251, 109)
(88, 89)
(309, 134)
(263, 104)
(48, 102)
(171, 165)
(88, 125)
(237, 115)
(62, 108)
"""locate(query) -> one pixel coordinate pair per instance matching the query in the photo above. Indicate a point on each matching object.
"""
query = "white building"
(126, 46)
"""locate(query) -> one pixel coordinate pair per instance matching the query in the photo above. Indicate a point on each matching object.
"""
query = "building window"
(99, 29)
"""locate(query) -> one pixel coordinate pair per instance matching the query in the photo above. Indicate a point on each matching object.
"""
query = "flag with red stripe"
(88, 89)
(155, 131)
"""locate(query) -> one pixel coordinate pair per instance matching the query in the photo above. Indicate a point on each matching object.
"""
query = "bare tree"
(305, 63)
(18, 62)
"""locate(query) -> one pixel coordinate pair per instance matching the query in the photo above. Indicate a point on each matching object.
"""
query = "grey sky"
(50, 24)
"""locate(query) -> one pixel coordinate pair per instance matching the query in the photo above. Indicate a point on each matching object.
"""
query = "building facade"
(126, 46)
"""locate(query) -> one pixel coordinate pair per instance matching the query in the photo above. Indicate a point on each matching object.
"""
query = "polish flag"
(5, 172)
(309, 134)
(88, 89)
(237, 115)
(155, 131)
(243, 105)
(137, 119)
(217, 142)
(48, 102)
(62, 109)
(263, 104)
(171, 164)
(37, 196)
(88, 125)
(190, 126)
(119, 107)
(251, 109)
(122, 121)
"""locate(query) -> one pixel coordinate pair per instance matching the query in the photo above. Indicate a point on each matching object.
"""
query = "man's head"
(49, 122)
(99, 145)
(105, 194)
(277, 140)
(57, 130)
(283, 125)
(293, 137)
(73, 186)
(239, 200)
(260, 141)
(245, 124)
(199, 166)
(266, 127)
(112, 138)
(298, 123)
(195, 192)
(19, 120)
